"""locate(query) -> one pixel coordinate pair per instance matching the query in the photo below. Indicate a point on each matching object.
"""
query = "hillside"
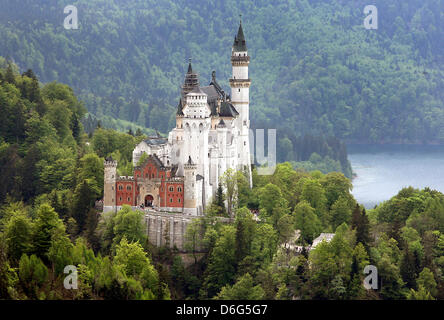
(51, 173)
(315, 69)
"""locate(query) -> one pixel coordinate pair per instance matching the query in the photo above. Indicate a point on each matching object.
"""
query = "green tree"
(307, 221)
(84, 197)
(340, 213)
(243, 289)
(128, 223)
(133, 262)
(222, 263)
(18, 233)
(269, 196)
(91, 167)
(32, 274)
(46, 225)
(245, 233)
(427, 281)
(314, 194)
(229, 181)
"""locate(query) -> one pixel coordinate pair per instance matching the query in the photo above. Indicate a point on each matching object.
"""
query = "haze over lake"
(384, 170)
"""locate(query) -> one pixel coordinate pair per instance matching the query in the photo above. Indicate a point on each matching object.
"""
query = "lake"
(383, 170)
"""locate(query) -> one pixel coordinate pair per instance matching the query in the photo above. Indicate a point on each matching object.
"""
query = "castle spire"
(190, 69)
(191, 81)
(239, 43)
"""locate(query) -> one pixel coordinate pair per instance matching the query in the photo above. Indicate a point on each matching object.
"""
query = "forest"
(315, 69)
(51, 174)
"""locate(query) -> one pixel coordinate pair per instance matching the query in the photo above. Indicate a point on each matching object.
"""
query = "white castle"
(182, 172)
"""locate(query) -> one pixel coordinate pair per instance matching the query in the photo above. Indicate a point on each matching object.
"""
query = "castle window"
(178, 200)
(171, 189)
(120, 199)
(179, 189)
(120, 187)
(129, 199)
(171, 199)
(128, 188)
(239, 90)
(245, 143)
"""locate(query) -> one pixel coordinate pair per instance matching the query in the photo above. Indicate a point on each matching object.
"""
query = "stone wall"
(167, 229)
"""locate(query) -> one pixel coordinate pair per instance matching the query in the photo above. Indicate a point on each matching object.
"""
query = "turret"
(110, 176)
(240, 97)
(190, 187)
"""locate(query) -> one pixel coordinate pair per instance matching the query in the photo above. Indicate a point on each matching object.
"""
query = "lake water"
(384, 170)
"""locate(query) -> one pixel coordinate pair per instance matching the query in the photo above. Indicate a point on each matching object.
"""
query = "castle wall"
(125, 193)
(166, 229)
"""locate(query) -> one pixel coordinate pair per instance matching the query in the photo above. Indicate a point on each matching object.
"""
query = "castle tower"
(191, 81)
(109, 192)
(240, 97)
(190, 187)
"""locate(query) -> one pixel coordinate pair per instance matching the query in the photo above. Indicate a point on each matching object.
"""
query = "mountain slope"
(315, 69)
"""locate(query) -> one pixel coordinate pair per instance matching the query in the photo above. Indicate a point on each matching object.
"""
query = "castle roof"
(197, 90)
(179, 108)
(239, 43)
(211, 92)
(227, 110)
(221, 124)
(191, 80)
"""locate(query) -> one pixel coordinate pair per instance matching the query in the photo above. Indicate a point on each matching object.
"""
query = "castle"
(181, 173)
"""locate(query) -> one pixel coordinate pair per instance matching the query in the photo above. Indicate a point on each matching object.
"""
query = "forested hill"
(315, 68)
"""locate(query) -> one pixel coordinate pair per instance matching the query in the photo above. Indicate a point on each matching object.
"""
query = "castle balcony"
(240, 83)
(240, 58)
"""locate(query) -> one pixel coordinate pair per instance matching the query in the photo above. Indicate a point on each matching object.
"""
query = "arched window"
(129, 199)
(171, 189)
(179, 189)
(178, 200)
(171, 200)
(128, 188)
(120, 187)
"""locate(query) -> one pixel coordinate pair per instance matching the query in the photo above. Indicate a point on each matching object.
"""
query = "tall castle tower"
(240, 97)
(109, 192)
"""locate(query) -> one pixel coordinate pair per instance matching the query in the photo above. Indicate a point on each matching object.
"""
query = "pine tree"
(75, 127)
(46, 225)
(84, 197)
(407, 269)
(9, 75)
(361, 224)
(220, 196)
